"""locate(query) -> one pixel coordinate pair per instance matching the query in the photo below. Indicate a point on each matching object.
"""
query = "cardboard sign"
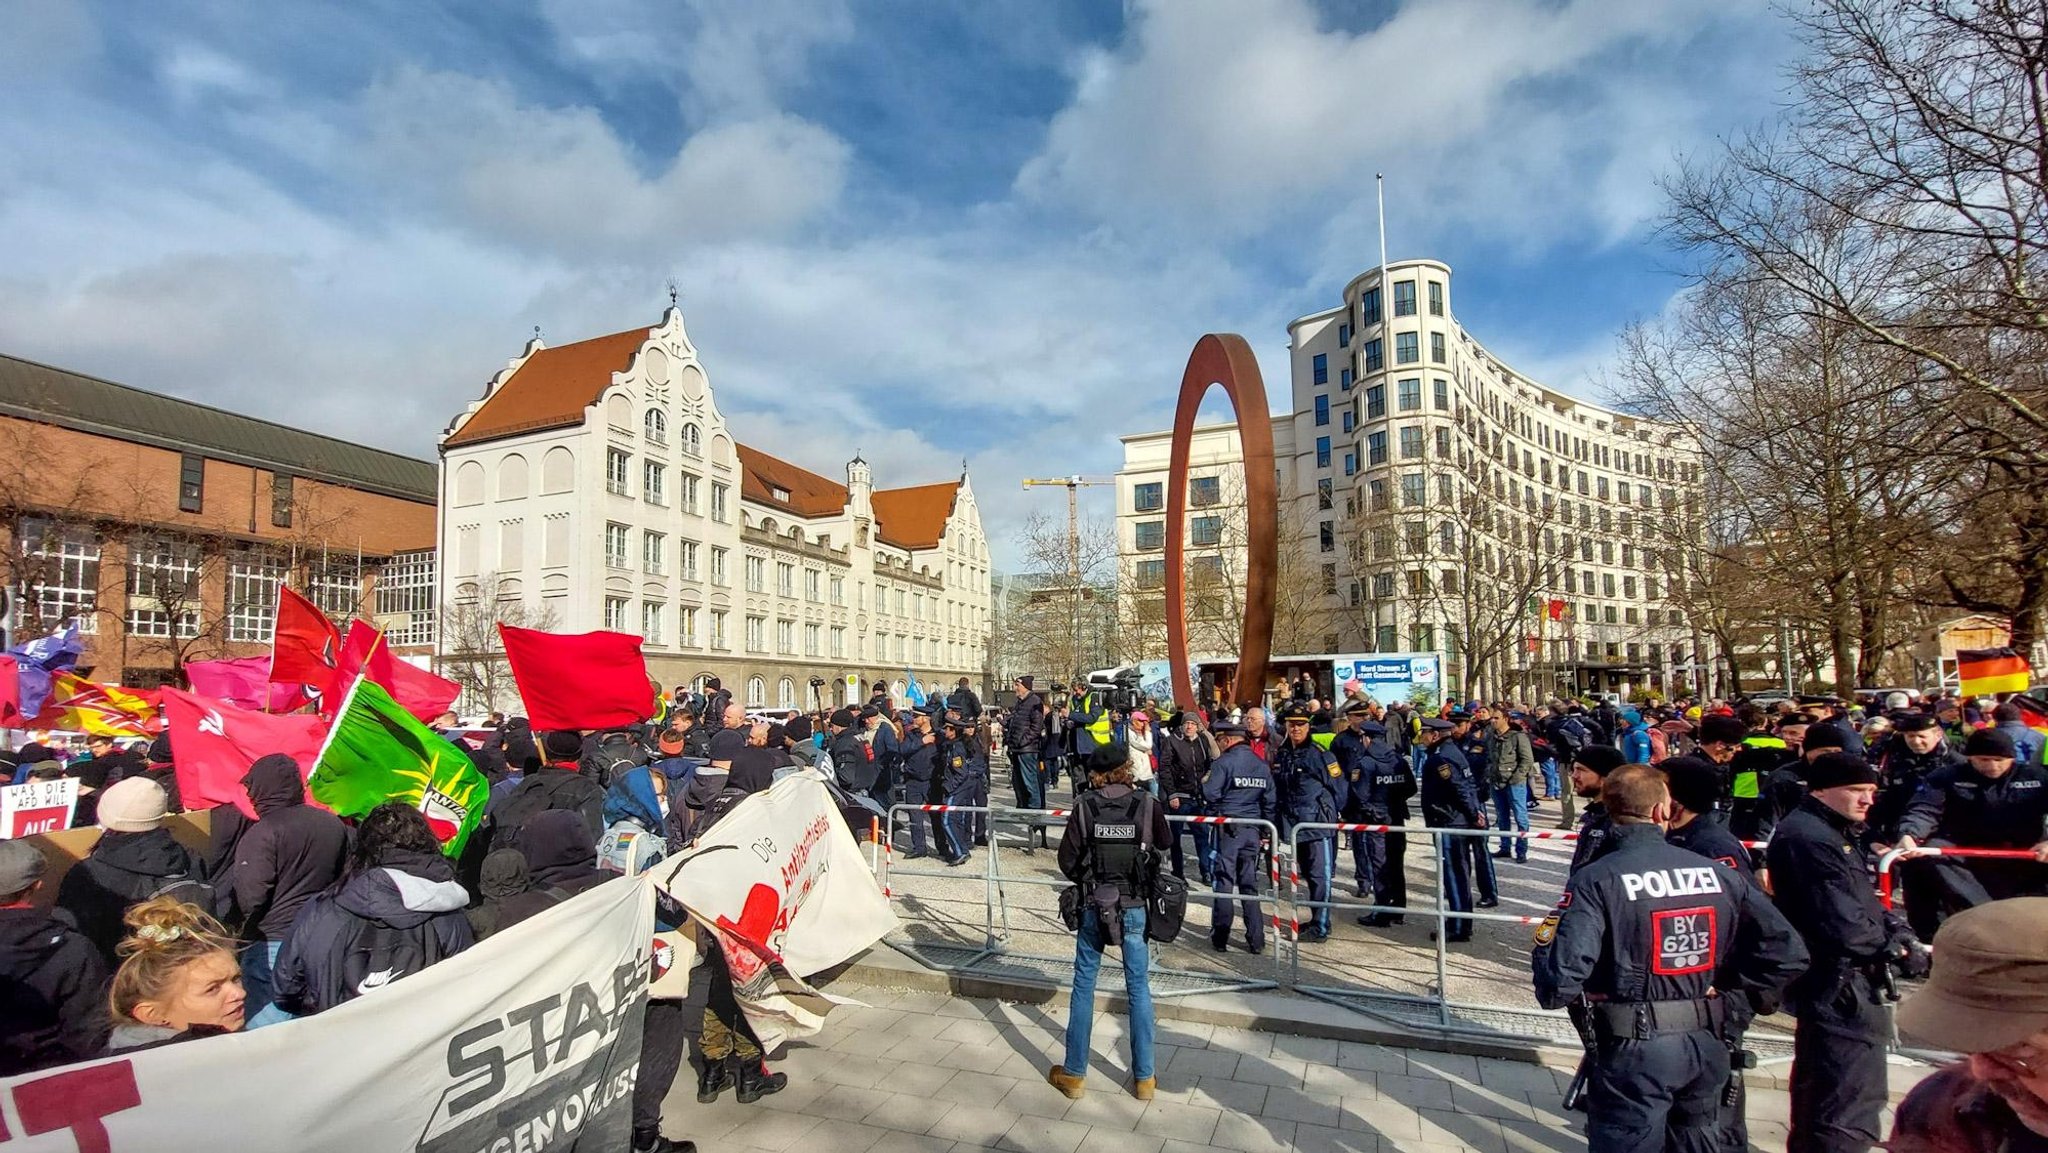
(37, 807)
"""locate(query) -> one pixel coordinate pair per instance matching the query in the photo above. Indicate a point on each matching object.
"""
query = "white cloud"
(726, 59)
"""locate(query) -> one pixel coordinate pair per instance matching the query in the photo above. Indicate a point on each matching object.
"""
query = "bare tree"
(1058, 626)
(472, 652)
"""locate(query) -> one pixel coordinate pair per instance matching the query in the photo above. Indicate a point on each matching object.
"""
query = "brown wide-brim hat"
(1989, 988)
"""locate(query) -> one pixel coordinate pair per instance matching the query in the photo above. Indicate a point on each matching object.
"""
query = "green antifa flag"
(377, 752)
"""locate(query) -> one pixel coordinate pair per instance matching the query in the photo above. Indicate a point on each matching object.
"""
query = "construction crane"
(1073, 485)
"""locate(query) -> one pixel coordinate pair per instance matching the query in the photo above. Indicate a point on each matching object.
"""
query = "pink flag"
(217, 743)
(245, 683)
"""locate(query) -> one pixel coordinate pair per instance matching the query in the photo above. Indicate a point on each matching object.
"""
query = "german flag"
(1988, 671)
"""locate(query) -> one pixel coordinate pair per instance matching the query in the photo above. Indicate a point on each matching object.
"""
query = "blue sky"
(917, 230)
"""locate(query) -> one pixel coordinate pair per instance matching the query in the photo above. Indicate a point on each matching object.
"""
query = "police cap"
(1296, 712)
(1373, 729)
(1914, 723)
(1438, 724)
(1357, 709)
(1224, 727)
(1460, 716)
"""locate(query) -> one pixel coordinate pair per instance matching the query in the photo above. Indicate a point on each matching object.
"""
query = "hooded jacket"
(53, 989)
(562, 862)
(293, 851)
(411, 892)
(502, 877)
(123, 869)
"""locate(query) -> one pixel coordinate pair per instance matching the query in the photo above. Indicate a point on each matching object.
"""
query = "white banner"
(37, 807)
(528, 1041)
(783, 887)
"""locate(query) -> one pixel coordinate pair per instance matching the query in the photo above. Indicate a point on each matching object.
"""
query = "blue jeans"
(258, 1010)
(1137, 990)
(1551, 785)
(1511, 811)
(1025, 776)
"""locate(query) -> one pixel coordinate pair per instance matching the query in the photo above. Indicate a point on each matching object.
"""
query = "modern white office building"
(1440, 501)
(597, 485)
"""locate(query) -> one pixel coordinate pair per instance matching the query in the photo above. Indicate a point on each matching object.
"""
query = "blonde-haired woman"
(178, 979)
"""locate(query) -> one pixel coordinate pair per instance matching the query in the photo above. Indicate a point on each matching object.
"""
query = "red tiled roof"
(809, 495)
(915, 517)
(552, 388)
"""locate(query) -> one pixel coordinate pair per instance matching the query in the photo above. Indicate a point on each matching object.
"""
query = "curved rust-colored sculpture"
(1225, 359)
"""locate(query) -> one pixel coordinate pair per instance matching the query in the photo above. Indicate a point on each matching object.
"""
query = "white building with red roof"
(597, 485)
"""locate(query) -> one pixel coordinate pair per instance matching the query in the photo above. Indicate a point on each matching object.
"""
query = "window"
(718, 640)
(655, 425)
(615, 545)
(1404, 298)
(1349, 424)
(1343, 336)
(1344, 378)
(653, 483)
(1375, 354)
(1628, 587)
(1413, 490)
(1436, 348)
(651, 621)
(1205, 491)
(192, 485)
(686, 627)
(718, 576)
(281, 500)
(1444, 493)
(718, 496)
(814, 587)
(1149, 497)
(1369, 306)
(1322, 452)
(785, 638)
(1418, 582)
(1607, 584)
(1410, 395)
(1376, 495)
(1376, 402)
(838, 641)
(688, 558)
(164, 593)
(1350, 464)
(1322, 412)
(689, 494)
(838, 589)
(1208, 530)
(1414, 537)
(653, 554)
(757, 575)
(1326, 494)
(1443, 443)
(882, 590)
(902, 603)
(1407, 349)
(1383, 586)
(1448, 580)
(757, 634)
(1436, 304)
(1320, 368)
(1151, 536)
(617, 471)
(615, 614)
(757, 692)
(1326, 537)
(692, 443)
(1411, 442)
(785, 579)
(1382, 538)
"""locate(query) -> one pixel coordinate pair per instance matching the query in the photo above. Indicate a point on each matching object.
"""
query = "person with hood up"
(502, 877)
(558, 784)
(641, 819)
(291, 854)
(136, 858)
(52, 979)
(398, 911)
(1636, 748)
(561, 861)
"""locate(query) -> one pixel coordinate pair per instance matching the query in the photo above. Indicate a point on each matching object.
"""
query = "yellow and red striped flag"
(80, 705)
(1988, 671)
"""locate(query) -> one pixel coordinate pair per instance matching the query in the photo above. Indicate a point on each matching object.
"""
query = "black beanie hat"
(562, 745)
(1695, 782)
(1989, 743)
(1833, 770)
(1824, 737)
(1602, 759)
(1718, 729)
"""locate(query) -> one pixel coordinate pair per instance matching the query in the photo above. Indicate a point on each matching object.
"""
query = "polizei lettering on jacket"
(1250, 782)
(1671, 882)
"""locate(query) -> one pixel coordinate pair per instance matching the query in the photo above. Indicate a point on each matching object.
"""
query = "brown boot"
(1065, 1082)
(1143, 1088)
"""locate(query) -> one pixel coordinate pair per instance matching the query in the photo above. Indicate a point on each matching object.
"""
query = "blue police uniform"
(1450, 800)
(1239, 784)
(1380, 785)
(1312, 791)
(1473, 745)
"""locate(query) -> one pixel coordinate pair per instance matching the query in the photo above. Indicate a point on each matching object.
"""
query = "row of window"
(1203, 532)
(1203, 491)
(654, 428)
(618, 474)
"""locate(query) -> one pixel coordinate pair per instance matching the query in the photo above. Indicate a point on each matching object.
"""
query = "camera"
(817, 682)
(1118, 693)
(1059, 697)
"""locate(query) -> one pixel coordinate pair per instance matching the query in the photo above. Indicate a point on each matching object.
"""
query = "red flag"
(245, 683)
(217, 743)
(1555, 610)
(416, 690)
(10, 693)
(304, 644)
(580, 681)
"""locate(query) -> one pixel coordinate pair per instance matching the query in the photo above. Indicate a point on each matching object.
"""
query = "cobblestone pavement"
(919, 1072)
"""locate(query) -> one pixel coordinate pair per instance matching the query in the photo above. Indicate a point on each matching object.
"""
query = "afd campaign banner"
(781, 887)
(37, 807)
(528, 1041)
(1155, 680)
(1388, 677)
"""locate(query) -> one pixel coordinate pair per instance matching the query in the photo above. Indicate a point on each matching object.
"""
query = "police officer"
(1450, 800)
(1695, 784)
(1990, 802)
(1655, 946)
(1350, 746)
(1761, 751)
(957, 780)
(1471, 737)
(1590, 766)
(920, 764)
(1916, 751)
(1312, 790)
(1820, 876)
(1388, 786)
(1240, 785)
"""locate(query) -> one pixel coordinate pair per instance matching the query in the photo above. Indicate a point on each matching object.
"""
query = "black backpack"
(614, 753)
(379, 954)
(531, 797)
(1165, 895)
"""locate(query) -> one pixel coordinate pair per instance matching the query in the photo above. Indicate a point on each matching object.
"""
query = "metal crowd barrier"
(1893, 856)
(997, 922)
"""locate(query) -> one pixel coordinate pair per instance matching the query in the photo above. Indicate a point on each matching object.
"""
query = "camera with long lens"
(1059, 697)
(1121, 694)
